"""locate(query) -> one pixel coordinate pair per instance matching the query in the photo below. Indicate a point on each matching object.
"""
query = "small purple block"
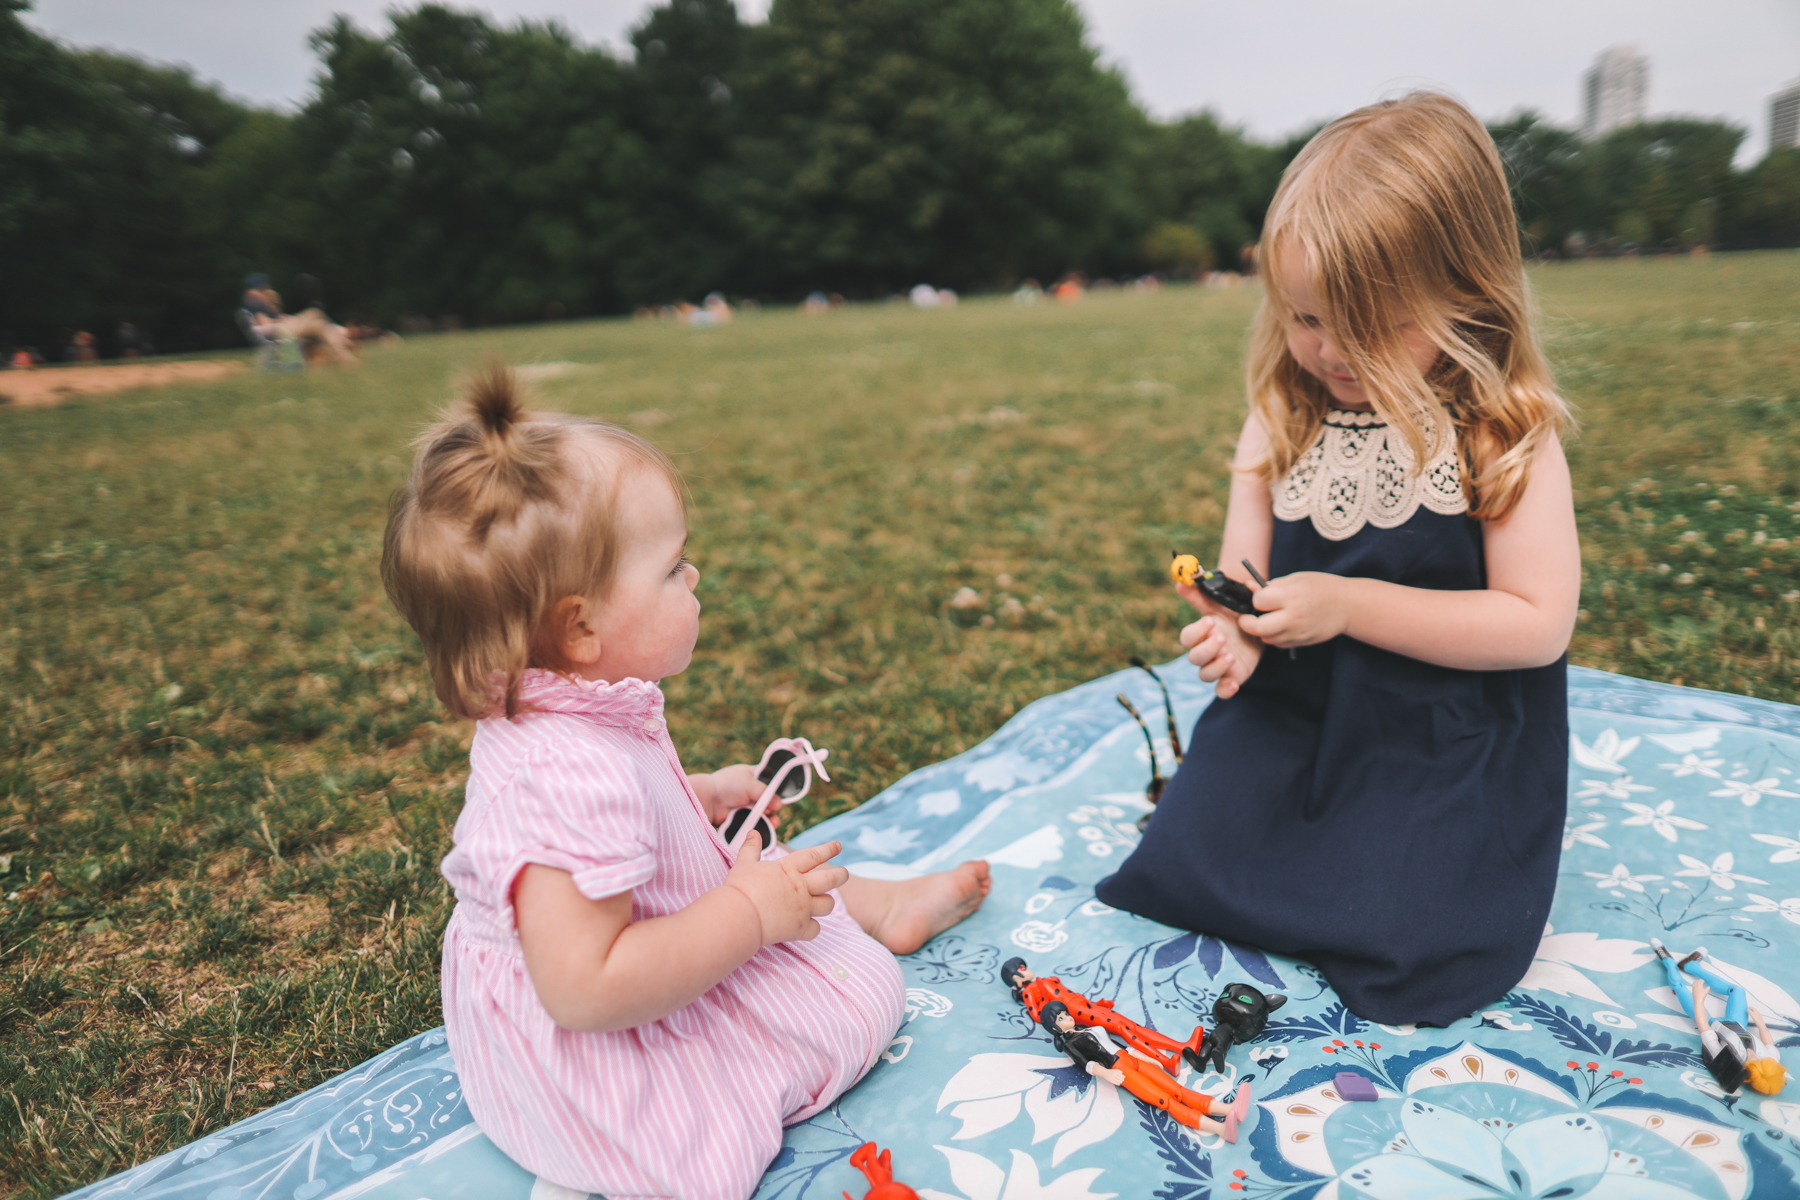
(1352, 1086)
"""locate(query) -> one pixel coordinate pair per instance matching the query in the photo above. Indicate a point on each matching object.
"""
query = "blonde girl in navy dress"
(1380, 785)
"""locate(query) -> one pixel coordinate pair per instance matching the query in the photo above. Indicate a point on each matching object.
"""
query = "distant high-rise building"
(1784, 117)
(1613, 91)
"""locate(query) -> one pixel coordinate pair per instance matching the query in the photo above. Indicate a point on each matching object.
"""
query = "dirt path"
(52, 385)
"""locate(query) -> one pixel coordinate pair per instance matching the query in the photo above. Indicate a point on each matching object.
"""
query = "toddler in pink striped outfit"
(634, 1010)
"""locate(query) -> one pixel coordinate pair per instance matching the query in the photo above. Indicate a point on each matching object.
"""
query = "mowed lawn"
(225, 784)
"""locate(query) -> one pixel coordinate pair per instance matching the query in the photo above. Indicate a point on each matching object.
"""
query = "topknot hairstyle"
(1400, 212)
(505, 513)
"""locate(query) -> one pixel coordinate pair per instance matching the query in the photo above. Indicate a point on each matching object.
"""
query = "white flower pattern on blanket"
(1590, 1052)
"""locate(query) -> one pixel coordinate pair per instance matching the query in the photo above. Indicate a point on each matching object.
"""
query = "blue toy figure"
(1734, 1055)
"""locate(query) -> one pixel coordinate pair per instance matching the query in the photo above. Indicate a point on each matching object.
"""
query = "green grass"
(224, 784)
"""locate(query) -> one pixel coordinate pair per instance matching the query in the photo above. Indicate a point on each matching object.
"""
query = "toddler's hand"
(1302, 609)
(1225, 654)
(789, 893)
(731, 788)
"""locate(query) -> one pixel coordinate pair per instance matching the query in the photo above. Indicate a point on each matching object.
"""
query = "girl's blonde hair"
(1766, 1075)
(1400, 212)
(502, 517)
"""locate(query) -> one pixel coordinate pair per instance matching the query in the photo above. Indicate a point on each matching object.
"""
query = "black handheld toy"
(1219, 587)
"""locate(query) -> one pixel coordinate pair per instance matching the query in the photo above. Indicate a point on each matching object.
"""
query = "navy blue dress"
(1395, 823)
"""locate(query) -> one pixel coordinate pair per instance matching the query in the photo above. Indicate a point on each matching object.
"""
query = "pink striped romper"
(691, 1105)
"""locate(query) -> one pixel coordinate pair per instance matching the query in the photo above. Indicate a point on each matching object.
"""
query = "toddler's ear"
(572, 625)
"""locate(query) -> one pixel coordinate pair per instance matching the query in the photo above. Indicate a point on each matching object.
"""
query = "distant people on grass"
(81, 348)
(320, 340)
(133, 343)
(1028, 293)
(24, 358)
(926, 296)
(818, 302)
(1070, 288)
(363, 331)
(714, 310)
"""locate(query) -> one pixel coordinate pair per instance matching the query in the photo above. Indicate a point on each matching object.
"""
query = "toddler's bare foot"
(905, 914)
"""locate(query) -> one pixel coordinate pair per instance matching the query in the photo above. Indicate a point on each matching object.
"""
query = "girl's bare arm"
(1250, 513)
(1523, 618)
(595, 969)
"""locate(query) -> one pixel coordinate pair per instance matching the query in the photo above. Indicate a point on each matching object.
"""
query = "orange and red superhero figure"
(1035, 991)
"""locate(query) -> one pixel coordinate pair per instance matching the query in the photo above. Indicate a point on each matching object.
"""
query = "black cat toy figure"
(1240, 1014)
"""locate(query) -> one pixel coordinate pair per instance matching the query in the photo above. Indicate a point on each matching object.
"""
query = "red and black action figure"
(1035, 991)
(1194, 1109)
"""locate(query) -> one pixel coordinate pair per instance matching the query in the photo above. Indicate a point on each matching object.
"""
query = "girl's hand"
(1301, 609)
(1218, 645)
(789, 893)
(730, 788)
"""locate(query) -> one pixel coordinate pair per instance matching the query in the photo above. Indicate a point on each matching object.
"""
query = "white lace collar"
(1356, 473)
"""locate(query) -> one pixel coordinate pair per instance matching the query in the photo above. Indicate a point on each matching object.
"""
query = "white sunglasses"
(786, 768)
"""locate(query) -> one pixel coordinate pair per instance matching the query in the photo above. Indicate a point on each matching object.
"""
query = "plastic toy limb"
(877, 1167)
(1190, 1108)
(1035, 991)
(1682, 972)
(1737, 1003)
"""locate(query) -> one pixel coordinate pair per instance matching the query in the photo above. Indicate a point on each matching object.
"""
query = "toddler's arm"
(595, 969)
(1523, 618)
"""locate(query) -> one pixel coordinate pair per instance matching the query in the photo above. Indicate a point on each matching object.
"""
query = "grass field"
(225, 785)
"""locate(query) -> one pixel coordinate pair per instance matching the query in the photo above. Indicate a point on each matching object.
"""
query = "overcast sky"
(1273, 66)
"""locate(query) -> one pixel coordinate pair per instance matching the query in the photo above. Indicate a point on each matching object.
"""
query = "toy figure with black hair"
(1240, 1014)
(1144, 1080)
(1035, 991)
(1734, 1055)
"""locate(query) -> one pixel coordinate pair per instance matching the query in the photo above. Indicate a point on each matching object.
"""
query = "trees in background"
(453, 166)
(462, 168)
(97, 159)
(963, 142)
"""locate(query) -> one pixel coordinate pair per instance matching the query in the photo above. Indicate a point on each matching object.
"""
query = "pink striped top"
(692, 1104)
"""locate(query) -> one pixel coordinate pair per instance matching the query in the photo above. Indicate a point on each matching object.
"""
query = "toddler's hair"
(502, 517)
(1400, 212)
(1766, 1075)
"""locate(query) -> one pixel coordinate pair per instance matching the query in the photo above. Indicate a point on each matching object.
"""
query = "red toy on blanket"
(877, 1167)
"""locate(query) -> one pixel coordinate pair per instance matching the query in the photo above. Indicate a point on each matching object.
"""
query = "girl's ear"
(572, 621)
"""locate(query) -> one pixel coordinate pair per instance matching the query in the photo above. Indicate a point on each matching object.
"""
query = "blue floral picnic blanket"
(1584, 1081)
